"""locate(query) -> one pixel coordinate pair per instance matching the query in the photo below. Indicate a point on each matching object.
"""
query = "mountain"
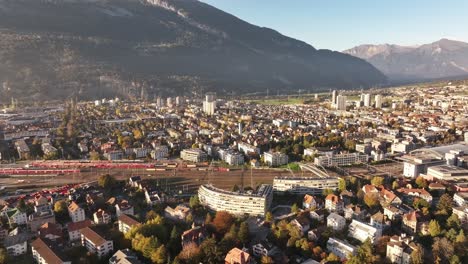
(444, 58)
(144, 48)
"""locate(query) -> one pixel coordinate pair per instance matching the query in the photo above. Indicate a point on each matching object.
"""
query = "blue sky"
(342, 24)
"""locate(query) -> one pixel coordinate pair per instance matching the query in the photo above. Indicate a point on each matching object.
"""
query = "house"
(237, 256)
(264, 248)
(340, 248)
(333, 203)
(413, 222)
(352, 211)
(16, 216)
(46, 252)
(95, 243)
(36, 220)
(399, 249)
(347, 196)
(318, 215)
(309, 202)
(124, 256)
(134, 181)
(41, 204)
(362, 231)
(76, 213)
(388, 198)
(302, 224)
(74, 229)
(462, 213)
(195, 235)
(152, 196)
(336, 222)
(126, 222)
(51, 231)
(379, 221)
(124, 207)
(101, 217)
(16, 245)
(410, 193)
(392, 212)
(369, 189)
(177, 214)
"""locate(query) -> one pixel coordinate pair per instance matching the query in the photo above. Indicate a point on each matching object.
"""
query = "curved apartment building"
(237, 203)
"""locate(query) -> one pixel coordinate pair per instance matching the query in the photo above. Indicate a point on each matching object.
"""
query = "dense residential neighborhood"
(331, 179)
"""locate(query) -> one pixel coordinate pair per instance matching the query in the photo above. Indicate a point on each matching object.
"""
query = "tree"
(371, 199)
(442, 249)
(93, 155)
(461, 237)
(151, 215)
(268, 217)
(377, 181)
(395, 185)
(210, 251)
(106, 181)
(223, 221)
(326, 192)
(341, 184)
(159, 256)
(444, 206)
(194, 201)
(294, 208)
(266, 260)
(417, 256)
(453, 221)
(243, 233)
(333, 258)
(420, 203)
(208, 218)
(364, 254)
(60, 207)
(3, 256)
(434, 228)
(421, 182)
(190, 254)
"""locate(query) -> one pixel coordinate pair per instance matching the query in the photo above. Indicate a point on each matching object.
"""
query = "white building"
(74, 229)
(366, 99)
(16, 216)
(76, 213)
(95, 243)
(275, 159)
(101, 217)
(46, 253)
(304, 185)
(340, 248)
(399, 249)
(159, 152)
(341, 103)
(123, 207)
(16, 245)
(209, 105)
(340, 159)
(254, 203)
(378, 101)
(193, 155)
(234, 159)
(362, 231)
(336, 222)
(333, 203)
(126, 222)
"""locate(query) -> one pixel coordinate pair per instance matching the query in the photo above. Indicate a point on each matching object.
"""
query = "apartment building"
(193, 155)
(124, 207)
(45, 252)
(251, 203)
(331, 160)
(336, 222)
(95, 243)
(399, 249)
(333, 203)
(340, 248)
(76, 213)
(101, 217)
(362, 231)
(126, 222)
(275, 159)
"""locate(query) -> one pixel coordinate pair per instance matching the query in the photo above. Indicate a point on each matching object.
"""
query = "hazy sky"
(342, 24)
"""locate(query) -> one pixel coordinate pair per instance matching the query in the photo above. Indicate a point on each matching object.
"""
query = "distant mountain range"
(145, 48)
(441, 59)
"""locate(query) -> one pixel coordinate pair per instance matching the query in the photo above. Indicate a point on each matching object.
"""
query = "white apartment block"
(247, 148)
(16, 245)
(95, 243)
(236, 203)
(340, 159)
(362, 231)
(399, 249)
(336, 222)
(43, 253)
(275, 158)
(341, 103)
(193, 155)
(101, 217)
(304, 185)
(159, 152)
(76, 213)
(16, 216)
(340, 248)
(126, 223)
(234, 159)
